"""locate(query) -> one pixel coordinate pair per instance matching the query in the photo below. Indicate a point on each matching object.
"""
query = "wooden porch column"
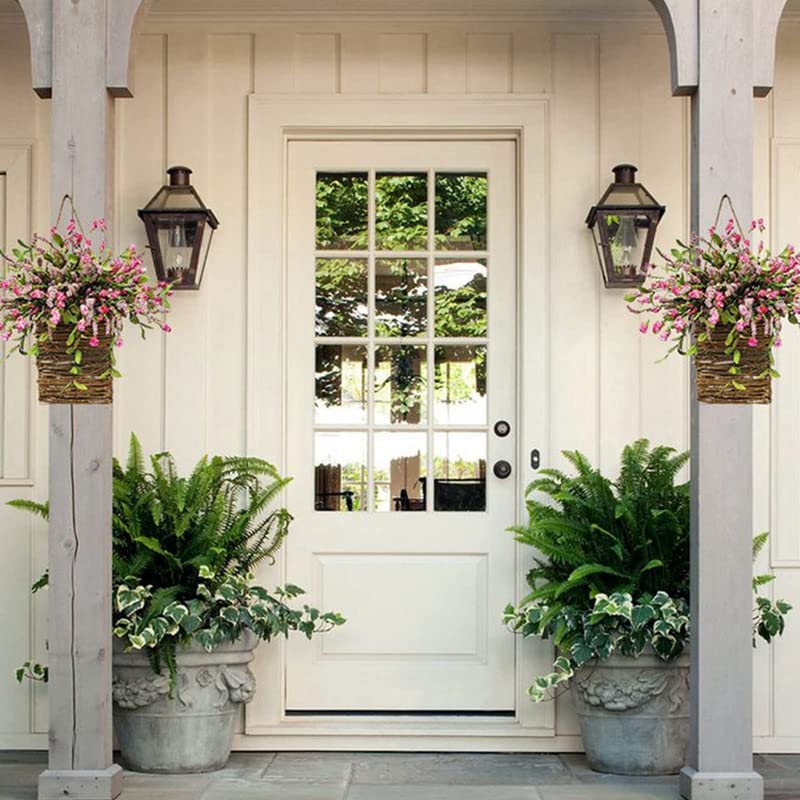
(722, 54)
(720, 763)
(80, 54)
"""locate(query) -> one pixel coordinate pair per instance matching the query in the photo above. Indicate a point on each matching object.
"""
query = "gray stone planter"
(634, 714)
(193, 731)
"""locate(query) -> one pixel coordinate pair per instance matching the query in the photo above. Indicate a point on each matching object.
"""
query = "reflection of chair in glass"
(406, 503)
(328, 492)
(459, 494)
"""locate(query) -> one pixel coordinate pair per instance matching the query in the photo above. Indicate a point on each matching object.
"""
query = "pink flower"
(166, 328)
(643, 327)
(119, 343)
(94, 342)
(752, 342)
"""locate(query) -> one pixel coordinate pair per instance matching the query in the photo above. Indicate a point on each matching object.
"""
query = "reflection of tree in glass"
(405, 381)
(456, 468)
(401, 224)
(461, 311)
(400, 297)
(460, 373)
(340, 374)
(401, 212)
(461, 212)
(342, 211)
(341, 297)
(354, 479)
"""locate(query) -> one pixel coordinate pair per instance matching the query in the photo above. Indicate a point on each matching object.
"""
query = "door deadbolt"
(502, 469)
(502, 428)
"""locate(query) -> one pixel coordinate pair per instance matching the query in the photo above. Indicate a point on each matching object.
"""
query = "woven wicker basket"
(57, 383)
(714, 380)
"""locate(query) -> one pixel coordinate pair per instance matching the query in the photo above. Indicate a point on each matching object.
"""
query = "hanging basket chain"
(726, 198)
(67, 198)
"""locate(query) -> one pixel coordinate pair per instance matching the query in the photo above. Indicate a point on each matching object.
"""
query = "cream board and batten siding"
(607, 88)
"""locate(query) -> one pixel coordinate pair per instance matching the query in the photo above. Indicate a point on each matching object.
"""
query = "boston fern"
(611, 573)
(185, 550)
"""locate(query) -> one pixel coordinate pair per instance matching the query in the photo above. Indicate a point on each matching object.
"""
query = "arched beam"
(679, 18)
(124, 21)
(767, 16)
(39, 19)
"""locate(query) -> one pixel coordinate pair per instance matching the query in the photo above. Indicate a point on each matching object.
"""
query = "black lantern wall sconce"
(179, 228)
(624, 226)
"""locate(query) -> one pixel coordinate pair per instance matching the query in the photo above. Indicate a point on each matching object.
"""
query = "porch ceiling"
(555, 8)
(551, 8)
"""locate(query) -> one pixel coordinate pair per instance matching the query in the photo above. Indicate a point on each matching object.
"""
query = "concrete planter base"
(634, 714)
(193, 730)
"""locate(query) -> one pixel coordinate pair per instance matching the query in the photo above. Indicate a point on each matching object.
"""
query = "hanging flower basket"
(714, 360)
(57, 381)
(65, 301)
(723, 301)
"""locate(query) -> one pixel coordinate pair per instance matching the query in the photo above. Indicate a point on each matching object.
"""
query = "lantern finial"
(624, 173)
(179, 176)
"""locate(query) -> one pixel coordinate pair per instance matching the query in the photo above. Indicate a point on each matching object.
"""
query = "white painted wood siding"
(609, 102)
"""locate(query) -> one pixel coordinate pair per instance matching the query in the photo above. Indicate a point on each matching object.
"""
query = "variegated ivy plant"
(614, 624)
(611, 563)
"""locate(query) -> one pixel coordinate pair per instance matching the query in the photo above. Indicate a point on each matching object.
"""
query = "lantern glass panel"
(625, 239)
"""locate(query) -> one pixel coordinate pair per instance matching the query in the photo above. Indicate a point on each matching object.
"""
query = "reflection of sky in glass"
(457, 274)
(390, 446)
(340, 448)
(460, 446)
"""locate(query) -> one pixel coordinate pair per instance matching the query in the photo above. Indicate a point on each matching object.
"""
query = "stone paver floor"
(396, 776)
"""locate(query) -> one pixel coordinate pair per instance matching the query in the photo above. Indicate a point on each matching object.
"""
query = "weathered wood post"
(722, 53)
(80, 55)
(721, 740)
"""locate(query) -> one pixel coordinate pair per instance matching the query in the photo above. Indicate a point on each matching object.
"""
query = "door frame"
(274, 121)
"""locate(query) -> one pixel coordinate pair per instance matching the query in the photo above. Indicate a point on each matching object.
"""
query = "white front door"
(401, 362)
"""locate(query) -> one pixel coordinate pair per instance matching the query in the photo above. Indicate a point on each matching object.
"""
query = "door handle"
(501, 469)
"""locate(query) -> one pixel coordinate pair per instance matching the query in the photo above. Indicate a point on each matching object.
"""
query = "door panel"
(400, 359)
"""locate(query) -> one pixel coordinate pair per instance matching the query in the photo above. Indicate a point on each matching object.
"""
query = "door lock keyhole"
(502, 469)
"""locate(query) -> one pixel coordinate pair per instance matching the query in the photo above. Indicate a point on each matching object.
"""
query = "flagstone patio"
(396, 776)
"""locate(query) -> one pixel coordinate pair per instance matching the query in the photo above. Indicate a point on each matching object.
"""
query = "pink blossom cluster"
(721, 281)
(65, 280)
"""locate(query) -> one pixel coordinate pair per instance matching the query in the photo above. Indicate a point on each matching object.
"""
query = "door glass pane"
(459, 471)
(377, 343)
(342, 202)
(401, 372)
(460, 297)
(401, 211)
(399, 473)
(460, 385)
(461, 211)
(401, 296)
(342, 308)
(341, 384)
(340, 471)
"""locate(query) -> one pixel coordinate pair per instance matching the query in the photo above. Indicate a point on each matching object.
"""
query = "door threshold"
(389, 713)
